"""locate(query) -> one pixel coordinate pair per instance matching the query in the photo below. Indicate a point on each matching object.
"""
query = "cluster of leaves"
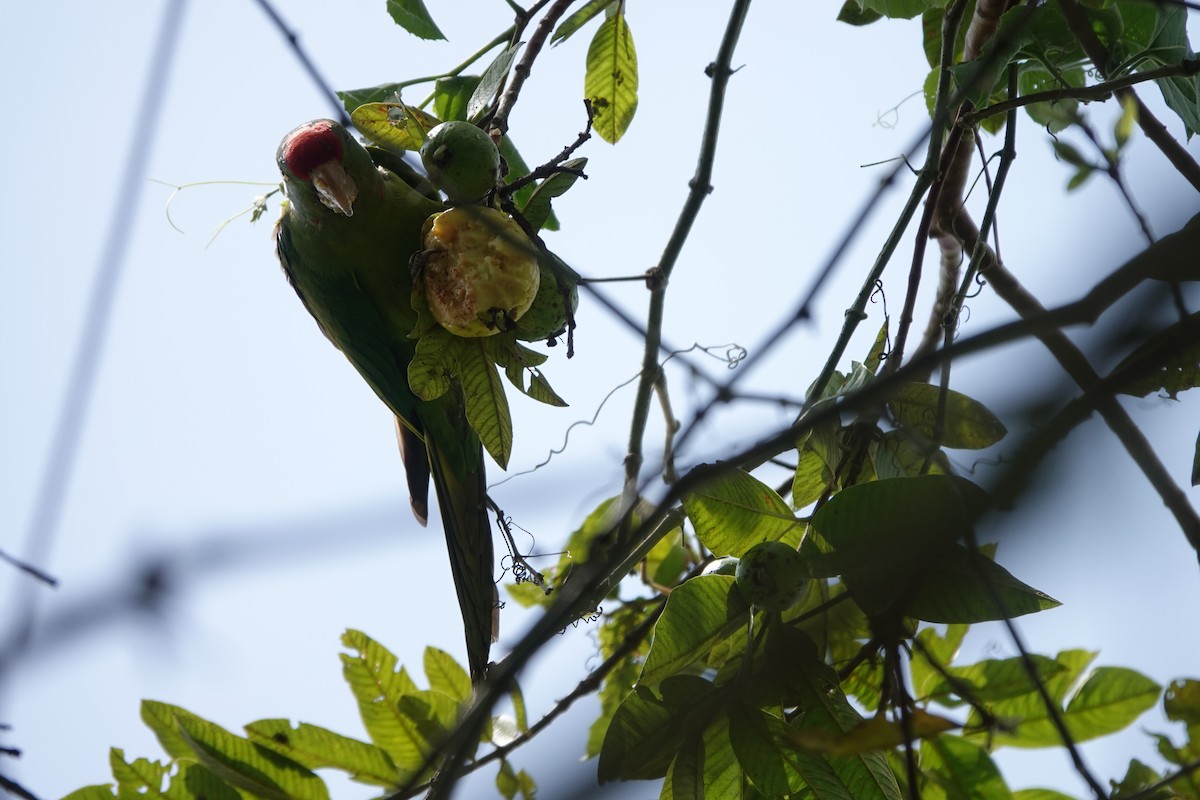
(610, 79)
(275, 759)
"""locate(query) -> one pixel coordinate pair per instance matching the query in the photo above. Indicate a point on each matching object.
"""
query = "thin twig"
(700, 187)
(314, 74)
(1087, 94)
(523, 68)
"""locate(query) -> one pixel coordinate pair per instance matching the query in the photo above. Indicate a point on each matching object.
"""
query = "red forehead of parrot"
(310, 146)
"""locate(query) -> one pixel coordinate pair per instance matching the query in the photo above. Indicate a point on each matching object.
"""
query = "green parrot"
(345, 240)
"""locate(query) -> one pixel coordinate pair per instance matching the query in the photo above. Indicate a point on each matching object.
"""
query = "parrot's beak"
(336, 189)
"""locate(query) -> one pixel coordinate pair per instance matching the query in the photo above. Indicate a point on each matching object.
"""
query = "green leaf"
(378, 686)
(133, 777)
(1056, 116)
(510, 783)
(1181, 702)
(434, 362)
(813, 476)
(646, 731)
(967, 424)
(103, 791)
(160, 718)
(898, 454)
(446, 675)
(486, 405)
(959, 587)
(886, 535)
(941, 649)
(994, 679)
(580, 18)
(1108, 700)
(536, 209)
(1196, 463)
(412, 16)
(685, 776)
(517, 168)
(383, 93)
(1176, 349)
(875, 356)
(490, 82)
(898, 9)
(699, 613)
(540, 390)
(735, 511)
(451, 96)
(758, 740)
(316, 748)
(1040, 794)
(961, 768)
(393, 126)
(860, 777)
(1168, 46)
(611, 81)
(853, 13)
(246, 765)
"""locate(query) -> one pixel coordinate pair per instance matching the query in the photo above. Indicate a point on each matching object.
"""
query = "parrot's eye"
(310, 147)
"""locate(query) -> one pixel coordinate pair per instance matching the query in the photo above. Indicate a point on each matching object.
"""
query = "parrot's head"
(321, 161)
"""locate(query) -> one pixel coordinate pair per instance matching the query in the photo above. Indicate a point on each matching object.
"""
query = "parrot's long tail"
(462, 498)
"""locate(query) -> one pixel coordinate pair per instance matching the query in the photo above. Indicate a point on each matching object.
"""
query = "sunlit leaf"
(993, 679)
(967, 423)
(414, 18)
(611, 82)
(485, 402)
(1109, 699)
(735, 511)
(246, 765)
(446, 675)
(699, 612)
(316, 748)
(378, 684)
(394, 126)
(961, 768)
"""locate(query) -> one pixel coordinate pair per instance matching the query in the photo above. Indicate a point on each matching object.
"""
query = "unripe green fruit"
(461, 160)
(479, 269)
(772, 576)
(547, 317)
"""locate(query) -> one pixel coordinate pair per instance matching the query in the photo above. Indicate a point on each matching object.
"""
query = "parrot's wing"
(351, 321)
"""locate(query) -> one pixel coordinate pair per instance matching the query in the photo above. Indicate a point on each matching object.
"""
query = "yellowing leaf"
(611, 82)
(393, 126)
(870, 735)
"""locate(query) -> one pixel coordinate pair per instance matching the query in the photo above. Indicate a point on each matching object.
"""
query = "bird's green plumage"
(352, 273)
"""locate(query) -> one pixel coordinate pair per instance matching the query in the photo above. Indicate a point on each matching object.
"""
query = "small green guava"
(772, 576)
(461, 160)
(479, 269)
(547, 317)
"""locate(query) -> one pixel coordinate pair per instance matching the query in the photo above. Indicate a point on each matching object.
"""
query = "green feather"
(352, 273)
